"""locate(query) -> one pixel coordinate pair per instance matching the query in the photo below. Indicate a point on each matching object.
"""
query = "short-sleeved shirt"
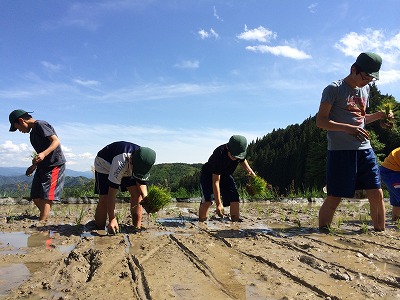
(115, 160)
(392, 161)
(348, 106)
(39, 136)
(219, 162)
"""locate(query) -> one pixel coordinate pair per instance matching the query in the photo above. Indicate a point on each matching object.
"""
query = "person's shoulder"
(43, 123)
(221, 149)
(336, 83)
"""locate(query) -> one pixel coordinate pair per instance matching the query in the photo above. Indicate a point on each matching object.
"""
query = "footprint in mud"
(312, 262)
(82, 265)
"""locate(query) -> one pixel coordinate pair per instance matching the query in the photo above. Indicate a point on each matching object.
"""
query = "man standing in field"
(351, 161)
(49, 161)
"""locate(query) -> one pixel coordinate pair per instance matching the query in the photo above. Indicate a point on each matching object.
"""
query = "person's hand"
(30, 170)
(220, 210)
(38, 158)
(112, 227)
(359, 133)
(144, 200)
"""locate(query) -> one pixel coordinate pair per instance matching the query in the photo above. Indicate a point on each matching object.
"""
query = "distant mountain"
(19, 171)
(72, 173)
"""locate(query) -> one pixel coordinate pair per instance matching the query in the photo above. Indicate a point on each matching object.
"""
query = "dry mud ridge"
(266, 256)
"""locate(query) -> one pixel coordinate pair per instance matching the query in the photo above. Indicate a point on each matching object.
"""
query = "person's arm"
(55, 142)
(379, 115)
(247, 168)
(324, 122)
(217, 194)
(142, 189)
(112, 220)
(136, 208)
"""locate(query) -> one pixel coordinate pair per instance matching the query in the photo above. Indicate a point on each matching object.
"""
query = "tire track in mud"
(331, 270)
(257, 267)
(202, 266)
(293, 246)
(162, 270)
(140, 287)
(385, 251)
(385, 283)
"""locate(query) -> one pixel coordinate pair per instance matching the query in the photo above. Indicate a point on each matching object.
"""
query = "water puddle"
(11, 276)
(13, 242)
(172, 222)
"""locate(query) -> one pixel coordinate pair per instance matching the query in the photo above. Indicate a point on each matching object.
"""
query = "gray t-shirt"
(39, 137)
(348, 106)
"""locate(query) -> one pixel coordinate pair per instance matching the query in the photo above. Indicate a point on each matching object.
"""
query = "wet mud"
(276, 252)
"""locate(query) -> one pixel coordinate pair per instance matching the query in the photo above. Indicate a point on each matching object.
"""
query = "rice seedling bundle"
(256, 186)
(157, 198)
(388, 108)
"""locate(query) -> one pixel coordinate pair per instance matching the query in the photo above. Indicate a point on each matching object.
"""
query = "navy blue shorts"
(48, 183)
(350, 170)
(102, 183)
(392, 181)
(227, 186)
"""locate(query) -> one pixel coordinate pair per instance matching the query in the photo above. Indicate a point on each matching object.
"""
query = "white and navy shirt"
(115, 160)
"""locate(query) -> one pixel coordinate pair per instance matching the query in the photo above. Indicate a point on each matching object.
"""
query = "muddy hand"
(30, 170)
(112, 227)
(220, 211)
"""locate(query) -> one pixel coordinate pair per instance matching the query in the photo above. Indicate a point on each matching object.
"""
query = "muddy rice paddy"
(275, 253)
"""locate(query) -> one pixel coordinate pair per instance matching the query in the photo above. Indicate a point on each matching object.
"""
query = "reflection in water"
(39, 239)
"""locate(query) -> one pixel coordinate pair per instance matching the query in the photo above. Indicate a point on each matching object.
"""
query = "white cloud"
(208, 34)
(155, 91)
(86, 83)
(259, 34)
(188, 64)
(285, 51)
(352, 44)
(15, 154)
(216, 15)
(51, 67)
(389, 76)
(313, 8)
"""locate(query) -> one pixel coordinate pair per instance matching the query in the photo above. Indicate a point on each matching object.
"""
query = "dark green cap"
(14, 115)
(370, 63)
(143, 159)
(237, 146)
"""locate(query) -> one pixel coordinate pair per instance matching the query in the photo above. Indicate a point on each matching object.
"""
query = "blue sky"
(179, 76)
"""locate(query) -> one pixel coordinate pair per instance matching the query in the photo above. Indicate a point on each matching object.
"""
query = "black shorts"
(48, 183)
(227, 186)
(102, 183)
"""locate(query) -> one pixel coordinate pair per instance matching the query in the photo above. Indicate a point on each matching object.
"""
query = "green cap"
(14, 115)
(370, 63)
(143, 159)
(237, 146)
